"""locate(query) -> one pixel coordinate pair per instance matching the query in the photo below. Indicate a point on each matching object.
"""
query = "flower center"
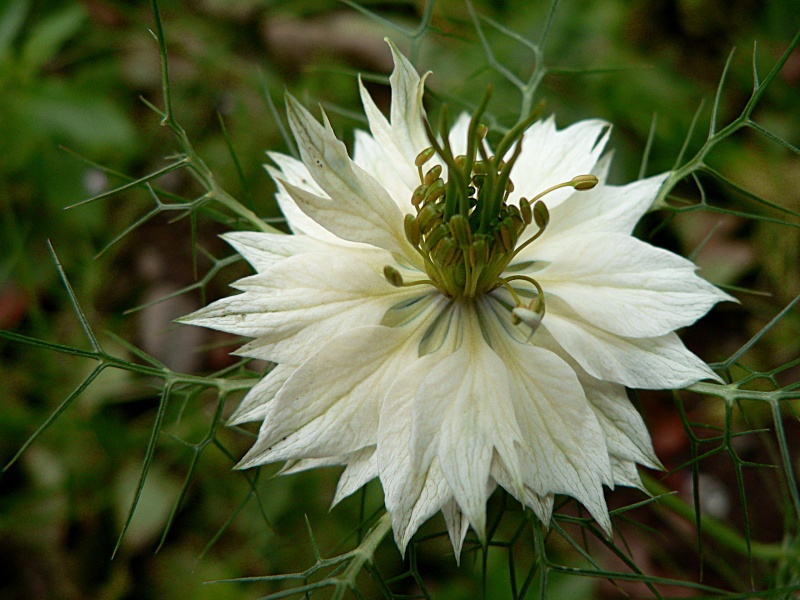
(465, 229)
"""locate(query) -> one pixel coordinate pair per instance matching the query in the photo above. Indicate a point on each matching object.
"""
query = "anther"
(584, 182)
(440, 232)
(411, 225)
(424, 156)
(462, 233)
(525, 211)
(433, 174)
(541, 215)
(419, 194)
(445, 251)
(435, 191)
(393, 276)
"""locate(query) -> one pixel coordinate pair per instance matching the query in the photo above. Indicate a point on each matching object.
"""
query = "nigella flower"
(449, 318)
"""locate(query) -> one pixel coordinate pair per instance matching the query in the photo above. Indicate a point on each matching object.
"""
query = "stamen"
(465, 229)
(393, 276)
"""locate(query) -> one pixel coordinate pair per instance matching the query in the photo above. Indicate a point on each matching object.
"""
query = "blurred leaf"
(50, 34)
(72, 116)
(12, 16)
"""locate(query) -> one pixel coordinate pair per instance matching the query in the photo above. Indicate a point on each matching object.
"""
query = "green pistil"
(465, 229)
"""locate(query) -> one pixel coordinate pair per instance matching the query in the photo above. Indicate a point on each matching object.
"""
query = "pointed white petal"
(306, 464)
(626, 473)
(265, 250)
(402, 482)
(605, 208)
(563, 447)
(301, 302)
(457, 526)
(255, 403)
(648, 363)
(395, 175)
(464, 405)
(550, 157)
(358, 208)
(295, 172)
(625, 286)
(361, 469)
(331, 403)
(407, 112)
(626, 434)
(435, 492)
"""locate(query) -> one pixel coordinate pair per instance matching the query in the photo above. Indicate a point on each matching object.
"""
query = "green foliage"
(134, 457)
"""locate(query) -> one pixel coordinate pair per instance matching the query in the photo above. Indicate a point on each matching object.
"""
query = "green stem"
(720, 532)
(363, 555)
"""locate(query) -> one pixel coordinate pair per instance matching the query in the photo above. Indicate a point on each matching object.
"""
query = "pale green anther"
(433, 174)
(445, 252)
(461, 161)
(525, 211)
(435, 191)
(440, 232)
(418, 194)
(424, 157)
(459, 227)
(393, 276)
(429, 214)
(479, 168)
(541, 215)
(482, 131)
(480, 249)
(509, 186)
(508, 234)
(411, 225)
(584, 182)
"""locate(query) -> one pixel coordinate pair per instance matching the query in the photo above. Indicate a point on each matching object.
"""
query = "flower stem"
(719, 531)
(363, 555)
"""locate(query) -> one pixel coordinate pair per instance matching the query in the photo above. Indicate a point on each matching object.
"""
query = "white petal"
(361, 469)
(301, 302)
(459, 133)
(331, 404)
(464, 406)
(550, 157)
(394, 174)
(306, 464)
(403, 484)
(626, 434)
(457, 526)
(407, 111)
(648, 363)
(295, 172)
(254, 405)
(542, 506)
(563, 446)
(265, 250)
(605, 208)
(625, 286)
(358, 208)
(626, 473)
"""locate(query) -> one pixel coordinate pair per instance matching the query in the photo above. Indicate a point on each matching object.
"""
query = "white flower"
(448, 331)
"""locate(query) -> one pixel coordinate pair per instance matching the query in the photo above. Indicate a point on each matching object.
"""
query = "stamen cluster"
(467, 243)
(465, 227)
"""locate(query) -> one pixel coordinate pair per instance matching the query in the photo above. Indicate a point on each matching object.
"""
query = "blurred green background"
(71, 78)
